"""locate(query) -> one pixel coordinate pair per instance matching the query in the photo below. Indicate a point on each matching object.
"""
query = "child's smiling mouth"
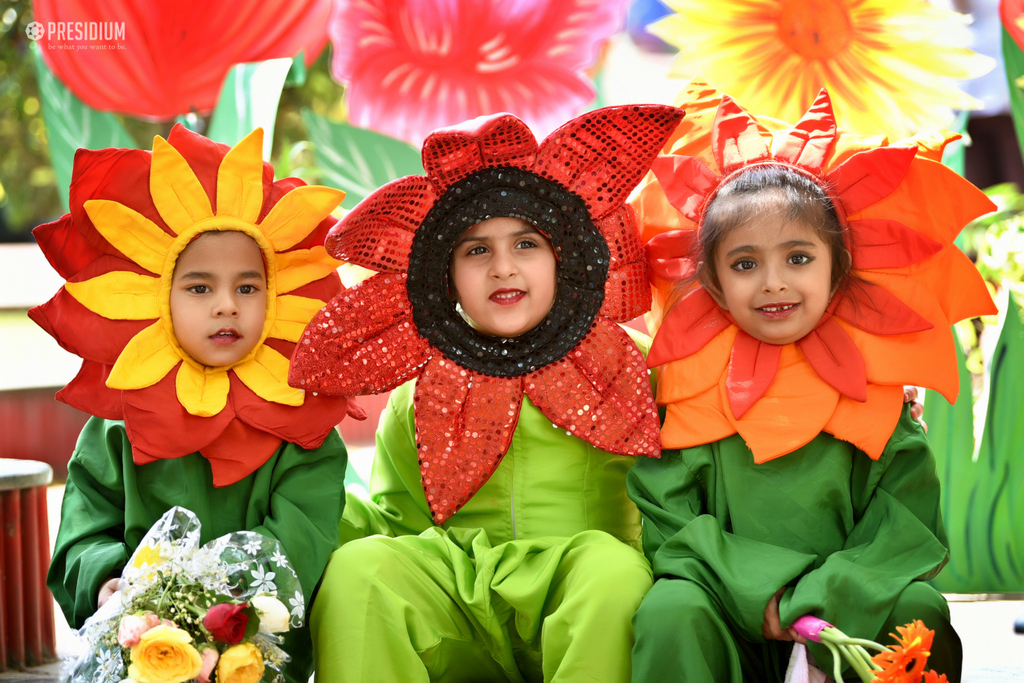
(778, 311)
(507, 296)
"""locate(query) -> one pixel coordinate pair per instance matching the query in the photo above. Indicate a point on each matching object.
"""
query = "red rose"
(226, 622)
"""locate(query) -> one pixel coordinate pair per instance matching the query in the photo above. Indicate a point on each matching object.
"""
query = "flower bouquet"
(185, 612)
(904, 662)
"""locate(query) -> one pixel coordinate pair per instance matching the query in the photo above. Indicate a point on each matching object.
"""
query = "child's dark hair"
(761, 191)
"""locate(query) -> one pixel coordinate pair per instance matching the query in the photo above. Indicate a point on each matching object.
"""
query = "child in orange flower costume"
(804, 275)
(190, 276)
(498, 542)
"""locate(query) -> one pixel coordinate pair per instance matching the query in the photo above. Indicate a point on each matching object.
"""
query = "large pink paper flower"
(414, 66)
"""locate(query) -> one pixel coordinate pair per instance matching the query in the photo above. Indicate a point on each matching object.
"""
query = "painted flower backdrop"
(413, 66)
(176, 52)
(888, 64)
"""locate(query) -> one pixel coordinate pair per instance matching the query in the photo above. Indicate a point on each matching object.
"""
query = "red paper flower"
(412, 67)
(226, 622)
(901, 209)
(368, 340)
(173, 55)
(132, 212)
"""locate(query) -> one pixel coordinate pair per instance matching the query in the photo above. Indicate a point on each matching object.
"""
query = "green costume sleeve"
(306, 499)
(94, 498)
(397, 505)
(898, 538)
(683, 540)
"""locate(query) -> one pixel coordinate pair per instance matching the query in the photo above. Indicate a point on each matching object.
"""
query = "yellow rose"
(240, 663)
(165, 655)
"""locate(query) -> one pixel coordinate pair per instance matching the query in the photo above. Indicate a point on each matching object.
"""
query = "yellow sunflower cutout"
(132, 214)
(887, 64)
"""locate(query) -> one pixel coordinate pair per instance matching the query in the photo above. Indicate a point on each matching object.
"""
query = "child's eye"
(248, 289)
(199, 289)
(743, 265)
(526, 244)
(800, 259)
(479, 249)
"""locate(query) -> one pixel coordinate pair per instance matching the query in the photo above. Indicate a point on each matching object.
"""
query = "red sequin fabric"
(366, 339)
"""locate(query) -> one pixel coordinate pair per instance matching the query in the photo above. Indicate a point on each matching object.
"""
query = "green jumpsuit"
(852, 538)
(110, 503)
(535, 578)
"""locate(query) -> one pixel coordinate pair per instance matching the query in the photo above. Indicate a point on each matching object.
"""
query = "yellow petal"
(267, 375)
(119, 295)
(202, 392)
(302, 266)
(177, 193)
(293, 314)
(145, 360)
(240, 179)
(131, 233)
(298, 213)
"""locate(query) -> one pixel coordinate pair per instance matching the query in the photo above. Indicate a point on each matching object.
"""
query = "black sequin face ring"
(582, 254)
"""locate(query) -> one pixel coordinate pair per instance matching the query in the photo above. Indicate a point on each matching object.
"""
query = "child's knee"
(679, 602)
(614, 572)
(920, 601)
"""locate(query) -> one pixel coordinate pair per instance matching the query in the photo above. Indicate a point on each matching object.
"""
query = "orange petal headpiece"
(900, 208)
(132, 214)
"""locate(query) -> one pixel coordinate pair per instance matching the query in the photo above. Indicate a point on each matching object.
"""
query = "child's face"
(219, 297)
(504, 275)
(775, 278)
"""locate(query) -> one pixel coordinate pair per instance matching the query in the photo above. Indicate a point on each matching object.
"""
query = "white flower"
(279, 558)
(298, 605)
(263, 581)
(252, 546)
(273, 614)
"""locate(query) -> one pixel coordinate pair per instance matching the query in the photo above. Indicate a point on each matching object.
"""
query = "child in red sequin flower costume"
(498, 542)
(190, 275)
(814, 274)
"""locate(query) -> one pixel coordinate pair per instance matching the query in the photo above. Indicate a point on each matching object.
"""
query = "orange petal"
(688, 326)
(697, 373)
(956, 283)
(464, 425)
(599, 392)
(696, 421)
(868, 425)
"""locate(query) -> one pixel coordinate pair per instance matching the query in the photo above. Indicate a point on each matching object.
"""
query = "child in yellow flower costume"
(190, 276)
(804, 275)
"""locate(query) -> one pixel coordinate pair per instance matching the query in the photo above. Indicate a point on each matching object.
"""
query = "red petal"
(694, 321)
(64, 247)
(836, 359)
(807, 144)
(82, 332)
(272, 194)
(601, 393)
(869, 176)
(672, 255)
(603, 154)
(159, 427)
(876, 310)
(464, 425)
(735, 138)
(88, 392)
(621, 231)
(325, 289)
(880, 243)
(687, 182)
(362, 342)
(306, 425)
(627, 292)
(387, 220)
(451, 154)
(752, 368)
(239, 451)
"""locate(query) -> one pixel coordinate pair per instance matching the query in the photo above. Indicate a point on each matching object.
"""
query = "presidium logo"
(78, 35)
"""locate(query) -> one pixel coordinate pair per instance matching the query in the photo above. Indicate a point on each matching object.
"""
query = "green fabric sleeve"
(306, 500)
(397, 505)
(683, 541)
(90, 550)
(898, 538)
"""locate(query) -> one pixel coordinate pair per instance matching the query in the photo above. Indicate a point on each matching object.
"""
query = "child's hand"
(109, 587)
(772, 629)
(916, 409)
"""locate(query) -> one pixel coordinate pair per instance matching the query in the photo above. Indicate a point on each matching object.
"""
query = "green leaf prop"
(356, 160)
(249, 99)
(1013, 58)
(71, 124)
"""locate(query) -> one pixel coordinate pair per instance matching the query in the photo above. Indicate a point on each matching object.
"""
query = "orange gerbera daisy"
(132, 214)
(578, 367)
(901, 209)
(904, 662)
